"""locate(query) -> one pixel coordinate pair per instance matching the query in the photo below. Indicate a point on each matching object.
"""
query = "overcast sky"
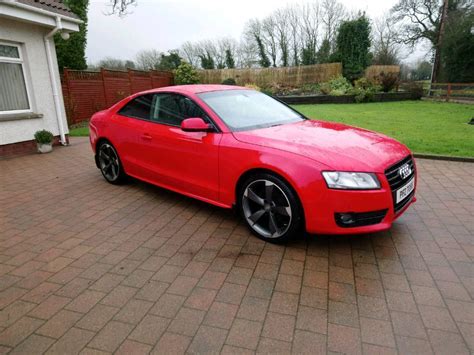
(166, 24)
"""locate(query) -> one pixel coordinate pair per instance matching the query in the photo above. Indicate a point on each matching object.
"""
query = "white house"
(30, 88)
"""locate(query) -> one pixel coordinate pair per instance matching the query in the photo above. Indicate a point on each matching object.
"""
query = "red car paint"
(208, 165)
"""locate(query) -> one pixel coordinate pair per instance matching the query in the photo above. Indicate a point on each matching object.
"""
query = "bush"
(186, 74)
(364, 90)
(229, 81)
(337, 86)
(416, 89)
(44, 137)
(388, 81)
(253, 86)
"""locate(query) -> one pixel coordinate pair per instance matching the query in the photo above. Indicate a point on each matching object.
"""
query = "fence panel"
(452, 91)
(264, 77)
(373, 71)
(86, 92)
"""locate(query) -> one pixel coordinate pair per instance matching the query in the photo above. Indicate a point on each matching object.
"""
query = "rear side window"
(139, 107)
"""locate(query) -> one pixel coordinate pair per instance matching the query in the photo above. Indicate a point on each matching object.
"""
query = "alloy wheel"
(266, 208)
(109, 162)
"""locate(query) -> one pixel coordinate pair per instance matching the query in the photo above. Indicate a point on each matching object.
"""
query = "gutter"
(54, 83)
(40, 11)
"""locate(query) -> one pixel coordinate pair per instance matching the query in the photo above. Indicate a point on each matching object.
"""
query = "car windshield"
(243, 110)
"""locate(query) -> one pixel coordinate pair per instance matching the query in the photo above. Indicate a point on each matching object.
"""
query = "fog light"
(346, 218)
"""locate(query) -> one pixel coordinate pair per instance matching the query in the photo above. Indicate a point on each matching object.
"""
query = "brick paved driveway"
(90, 267)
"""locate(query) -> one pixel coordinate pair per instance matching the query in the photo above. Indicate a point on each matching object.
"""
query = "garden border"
(346, 99)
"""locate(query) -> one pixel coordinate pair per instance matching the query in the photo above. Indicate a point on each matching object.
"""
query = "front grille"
(359, 219)
(396, 181)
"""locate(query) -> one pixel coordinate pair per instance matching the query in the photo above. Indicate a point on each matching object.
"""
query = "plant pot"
(44, 148)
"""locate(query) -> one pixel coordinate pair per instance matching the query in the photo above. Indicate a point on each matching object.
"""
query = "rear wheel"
(270, 208)
(110, 164)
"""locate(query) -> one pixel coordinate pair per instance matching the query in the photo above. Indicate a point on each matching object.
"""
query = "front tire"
(109, 164)
(270, 208)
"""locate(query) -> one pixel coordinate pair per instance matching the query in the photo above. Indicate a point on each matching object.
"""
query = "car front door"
(183, 161)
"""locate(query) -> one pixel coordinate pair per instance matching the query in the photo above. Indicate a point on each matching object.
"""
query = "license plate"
(404, 191)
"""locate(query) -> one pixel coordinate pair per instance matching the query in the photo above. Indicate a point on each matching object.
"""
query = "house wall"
(37, 76)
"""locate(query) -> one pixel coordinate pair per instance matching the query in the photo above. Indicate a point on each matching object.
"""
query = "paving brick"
(34, 344)
(279, 326)
(231, 293)
(150, 329)
(132, 347)
(343, 339)
(245, 334)
(207, 340)
(59, 324)
(306, 343)
(111, 336)
(221, 315)
(168, 305)
(97, 318)
(253, 308)
(72, 342)
(133, 311)
(377, 332)
(85, 301)
(187, 321)
(16, 333)
(171, 343)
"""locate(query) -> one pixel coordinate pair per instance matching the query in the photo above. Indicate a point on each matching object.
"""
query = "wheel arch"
(254, 171)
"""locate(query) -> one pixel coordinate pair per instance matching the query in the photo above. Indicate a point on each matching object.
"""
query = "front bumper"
(321, 218)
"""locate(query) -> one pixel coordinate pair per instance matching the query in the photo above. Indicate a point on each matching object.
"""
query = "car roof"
(197, 88)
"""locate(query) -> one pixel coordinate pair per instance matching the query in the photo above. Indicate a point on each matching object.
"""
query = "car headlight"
(350, 180)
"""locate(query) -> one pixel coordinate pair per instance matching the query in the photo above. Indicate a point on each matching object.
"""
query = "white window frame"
(20, 61)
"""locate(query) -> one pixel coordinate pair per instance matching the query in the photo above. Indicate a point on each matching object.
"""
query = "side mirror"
(195, 124)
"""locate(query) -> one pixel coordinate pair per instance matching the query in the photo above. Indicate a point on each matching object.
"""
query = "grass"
(424, 126)
(79, 132)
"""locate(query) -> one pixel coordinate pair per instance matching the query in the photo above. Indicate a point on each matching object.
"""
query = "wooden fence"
(86, 92)
(288, 76)
(373, 71)
(265, 77)
(452, 91)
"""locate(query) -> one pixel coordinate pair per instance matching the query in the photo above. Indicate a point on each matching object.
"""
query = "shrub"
(388, 81)
(325, 88)
(340, 84)
(415, 89)
(364, 90)
(44, 137)
(186, 74)
(229, 81)
(253, 86)
(337, 86)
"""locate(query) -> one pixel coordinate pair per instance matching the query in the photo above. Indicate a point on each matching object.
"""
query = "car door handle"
(146, 136)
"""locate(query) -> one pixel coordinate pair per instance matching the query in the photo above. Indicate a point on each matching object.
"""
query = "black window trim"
(215, 126)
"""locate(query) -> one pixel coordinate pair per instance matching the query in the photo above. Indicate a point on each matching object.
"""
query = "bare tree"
(419, 19)
(246, 54)
(332, 14)
(386, 48)
(115, 63)
(148, 59)
(254, 34)
(294, 13)
(309, 31)
(281, 18)
(189, 52)
(270, 38)
(121, 7)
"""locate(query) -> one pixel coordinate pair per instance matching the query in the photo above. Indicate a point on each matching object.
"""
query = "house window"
(13, 90)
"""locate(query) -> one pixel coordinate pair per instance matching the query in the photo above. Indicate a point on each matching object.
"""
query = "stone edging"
(444, 157)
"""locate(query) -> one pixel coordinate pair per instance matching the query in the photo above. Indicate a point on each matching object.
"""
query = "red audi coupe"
(235, 147)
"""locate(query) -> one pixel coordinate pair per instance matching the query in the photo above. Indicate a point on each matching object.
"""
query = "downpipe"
(54, 82)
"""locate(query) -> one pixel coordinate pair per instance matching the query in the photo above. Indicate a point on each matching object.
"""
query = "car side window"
(171, 109)
(139, 107)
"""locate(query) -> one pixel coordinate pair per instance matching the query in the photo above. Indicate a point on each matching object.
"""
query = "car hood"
(338, 146)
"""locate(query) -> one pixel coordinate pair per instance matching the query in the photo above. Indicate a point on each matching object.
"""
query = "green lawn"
(79, 132)
(424, 126)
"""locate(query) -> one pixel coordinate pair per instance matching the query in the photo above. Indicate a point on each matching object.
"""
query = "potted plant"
(44, 141)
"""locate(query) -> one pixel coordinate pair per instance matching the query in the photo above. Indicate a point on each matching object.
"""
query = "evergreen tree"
(229, 59)
(353, 43)
(71, 53)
